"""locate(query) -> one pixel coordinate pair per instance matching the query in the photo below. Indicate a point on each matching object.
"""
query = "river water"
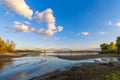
(25, 68)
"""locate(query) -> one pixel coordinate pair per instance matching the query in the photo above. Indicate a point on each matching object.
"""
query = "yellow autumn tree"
(8, 46)
(2, 46)
(112, 46)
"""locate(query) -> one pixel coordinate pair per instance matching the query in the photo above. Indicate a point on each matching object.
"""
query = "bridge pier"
(44, 52)
(71, 53)
(58, 53)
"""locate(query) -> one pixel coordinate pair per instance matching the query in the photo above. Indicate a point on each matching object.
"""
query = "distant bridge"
(63, 50)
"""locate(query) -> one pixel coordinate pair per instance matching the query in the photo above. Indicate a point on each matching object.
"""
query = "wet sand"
(81, 57)
(87, 71)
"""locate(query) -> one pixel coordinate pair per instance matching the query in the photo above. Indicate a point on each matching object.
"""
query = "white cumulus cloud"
(49, 32)
(46, 16)
(20, 7)
(22, 27)
(45, 32)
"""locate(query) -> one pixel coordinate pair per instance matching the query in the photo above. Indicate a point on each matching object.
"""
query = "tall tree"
(2, 46)
(118, 44)
(104, 47)
(8, 46)
(112, 46)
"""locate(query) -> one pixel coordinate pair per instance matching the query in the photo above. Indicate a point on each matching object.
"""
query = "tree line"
(6, 46)
(112, 47)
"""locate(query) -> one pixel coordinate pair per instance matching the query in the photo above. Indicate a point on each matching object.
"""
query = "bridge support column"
(71, 53)
(58, 53)
(44, 52)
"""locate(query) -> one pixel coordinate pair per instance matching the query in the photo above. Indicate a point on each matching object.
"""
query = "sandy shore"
(80, 57)
(87, 71)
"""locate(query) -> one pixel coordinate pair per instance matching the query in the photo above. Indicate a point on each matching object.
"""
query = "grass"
(113, 76)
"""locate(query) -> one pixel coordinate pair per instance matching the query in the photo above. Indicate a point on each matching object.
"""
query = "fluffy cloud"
(20, 7)
(22, 27)
(40, 31)
(45, 32)
(85, 33)
(47, 17)
(49, 32)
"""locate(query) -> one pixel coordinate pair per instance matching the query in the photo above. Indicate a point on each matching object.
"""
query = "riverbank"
(11, 55)
(87, 71)
(81, 57)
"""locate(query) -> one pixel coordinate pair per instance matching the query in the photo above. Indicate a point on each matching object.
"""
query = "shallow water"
(24, 68)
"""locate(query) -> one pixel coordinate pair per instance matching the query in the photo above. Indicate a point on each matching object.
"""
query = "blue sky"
(75, 24)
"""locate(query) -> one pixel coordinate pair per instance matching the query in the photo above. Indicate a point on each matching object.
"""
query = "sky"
(73, 24)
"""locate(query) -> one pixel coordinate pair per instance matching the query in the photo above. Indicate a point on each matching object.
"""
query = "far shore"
(80, 57)
(68, 57)
(11, 55)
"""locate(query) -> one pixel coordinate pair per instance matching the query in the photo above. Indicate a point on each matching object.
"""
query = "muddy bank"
(81, 57)
(88, 71)
(11, 55)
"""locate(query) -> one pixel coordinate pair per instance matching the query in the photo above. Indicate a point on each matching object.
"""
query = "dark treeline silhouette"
(112, 47)
(6, 46)
(29, 51)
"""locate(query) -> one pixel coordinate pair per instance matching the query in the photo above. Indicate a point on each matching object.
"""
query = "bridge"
(63, 50)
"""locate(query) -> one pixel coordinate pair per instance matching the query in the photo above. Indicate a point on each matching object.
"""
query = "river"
(27, 67)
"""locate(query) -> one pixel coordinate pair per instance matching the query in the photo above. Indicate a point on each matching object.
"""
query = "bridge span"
(64, 50)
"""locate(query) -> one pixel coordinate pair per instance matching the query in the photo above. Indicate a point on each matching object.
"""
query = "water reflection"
(1, 65)
(4, 63)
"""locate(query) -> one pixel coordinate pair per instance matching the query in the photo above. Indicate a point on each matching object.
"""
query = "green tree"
(104, 47)
(118, 44)
(112, 46)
